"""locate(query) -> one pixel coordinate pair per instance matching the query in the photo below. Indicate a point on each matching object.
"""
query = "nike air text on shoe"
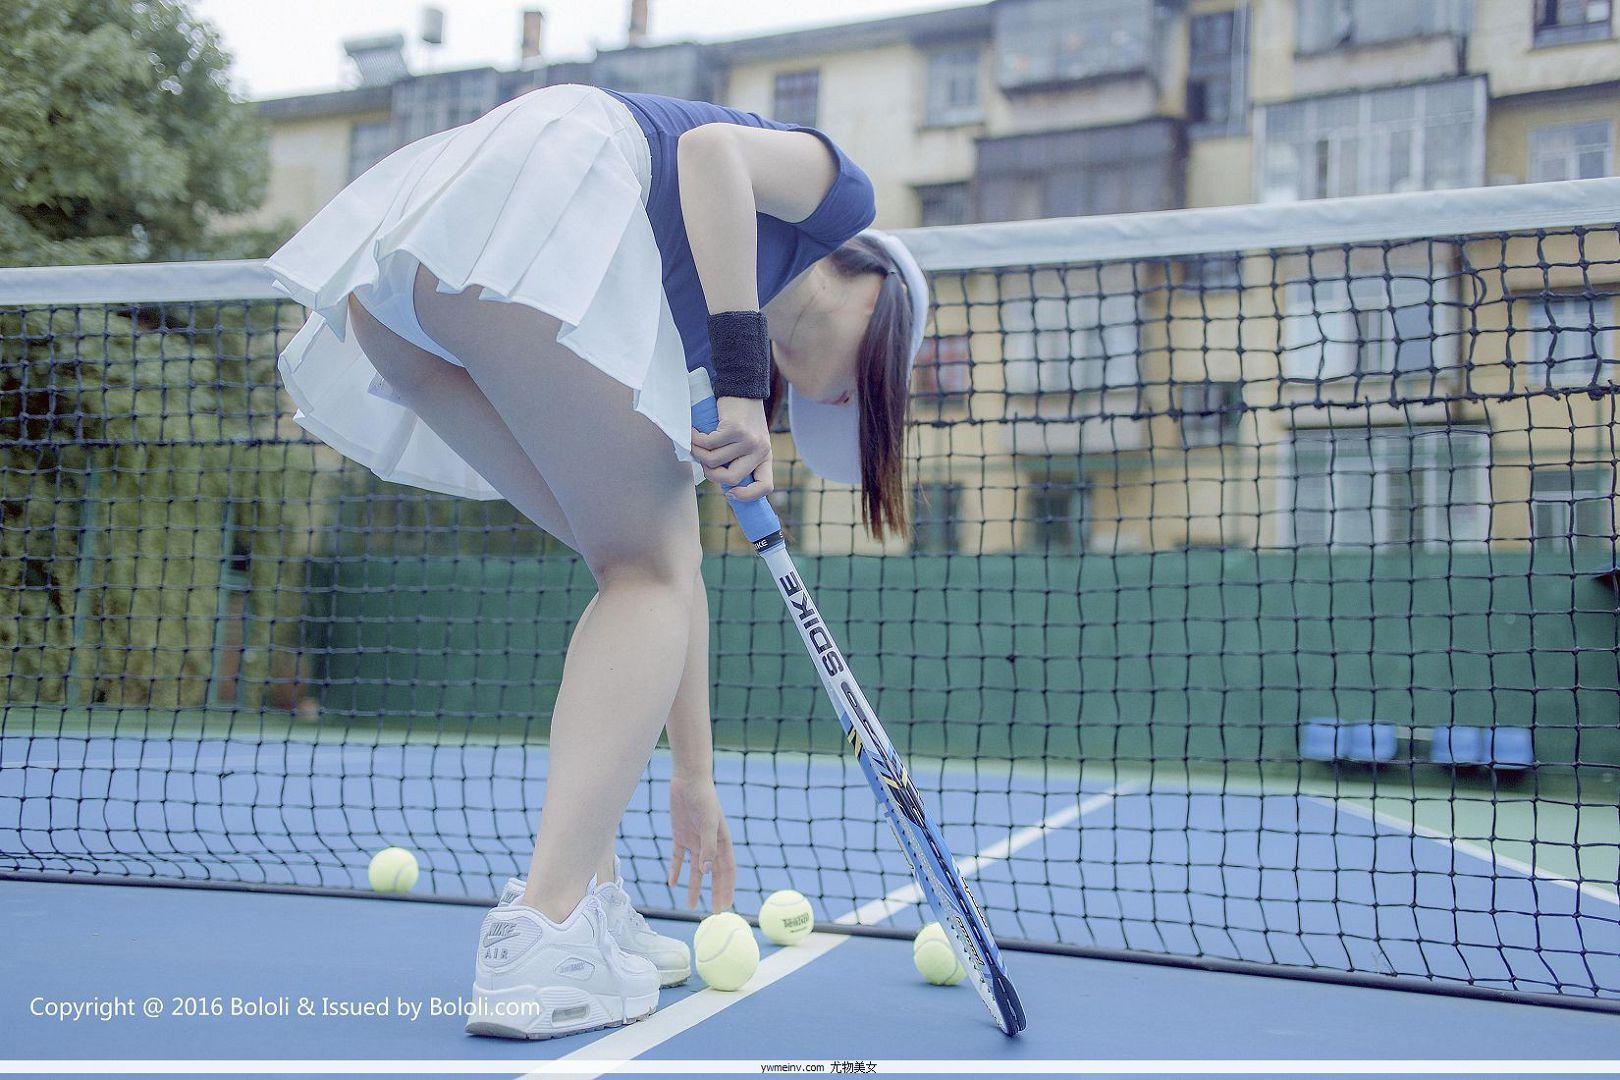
(670, 955)
(536, 979)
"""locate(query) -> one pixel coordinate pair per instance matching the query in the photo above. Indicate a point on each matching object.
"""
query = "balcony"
(1120, 169)
(1331, 26)
(1059, 44)
(1350, 44)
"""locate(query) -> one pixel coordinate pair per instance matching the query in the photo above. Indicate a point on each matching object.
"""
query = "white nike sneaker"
(536, 979)
(669, 955)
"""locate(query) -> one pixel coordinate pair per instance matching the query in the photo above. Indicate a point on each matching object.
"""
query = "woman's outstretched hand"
(739, 445)
(702, 841)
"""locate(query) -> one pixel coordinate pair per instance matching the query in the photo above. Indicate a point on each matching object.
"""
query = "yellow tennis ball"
(727, 954)
(934, 957)
(785, 918)
(392, 870)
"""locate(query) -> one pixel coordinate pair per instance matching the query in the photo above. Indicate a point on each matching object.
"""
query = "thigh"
(629, 500)
(449, 402)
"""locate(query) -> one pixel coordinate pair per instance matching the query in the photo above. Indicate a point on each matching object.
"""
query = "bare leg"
(631, 507)
(688, 723)
(450, 403)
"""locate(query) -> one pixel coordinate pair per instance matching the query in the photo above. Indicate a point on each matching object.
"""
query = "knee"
(673, 565)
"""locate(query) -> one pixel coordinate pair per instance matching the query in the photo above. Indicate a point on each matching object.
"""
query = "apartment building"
(1203, 402)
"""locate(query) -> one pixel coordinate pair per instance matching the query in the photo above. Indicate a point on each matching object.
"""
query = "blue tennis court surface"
(859, 1000)
(1242, 874)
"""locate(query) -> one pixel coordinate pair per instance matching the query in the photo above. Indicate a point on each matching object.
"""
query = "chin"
(812, 393)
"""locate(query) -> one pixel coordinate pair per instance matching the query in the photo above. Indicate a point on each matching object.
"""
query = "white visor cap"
(828, 437)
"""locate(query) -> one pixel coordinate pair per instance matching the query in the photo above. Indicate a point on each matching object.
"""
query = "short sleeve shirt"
(785, 248)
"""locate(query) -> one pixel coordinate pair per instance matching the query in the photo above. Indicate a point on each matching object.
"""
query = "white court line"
(911, 893)
(663, 1025)
(631, 1042)
(1477, 851)
(1467, 847)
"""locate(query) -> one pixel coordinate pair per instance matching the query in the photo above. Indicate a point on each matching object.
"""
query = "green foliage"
(120, 137)
(134, 441)
(256, 242)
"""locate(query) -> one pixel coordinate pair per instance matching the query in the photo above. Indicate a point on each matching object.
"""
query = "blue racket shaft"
(920, 840)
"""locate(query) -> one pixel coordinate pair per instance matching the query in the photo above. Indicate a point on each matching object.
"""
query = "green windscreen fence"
(1205, 655)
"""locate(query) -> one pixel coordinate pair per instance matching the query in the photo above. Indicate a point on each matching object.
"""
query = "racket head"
(935, 870)
(958, 914)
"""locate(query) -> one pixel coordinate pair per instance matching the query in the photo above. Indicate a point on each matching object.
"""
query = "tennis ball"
(785, 918)
(392, 870)
(727, 954)
(934, 957)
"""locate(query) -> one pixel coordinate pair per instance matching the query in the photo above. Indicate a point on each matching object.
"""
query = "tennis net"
(1260, 609)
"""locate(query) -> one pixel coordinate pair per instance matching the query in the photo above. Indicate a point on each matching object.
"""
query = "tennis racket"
(920, 839)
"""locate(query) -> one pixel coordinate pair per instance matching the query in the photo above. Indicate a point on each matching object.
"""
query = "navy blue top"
(785, 249)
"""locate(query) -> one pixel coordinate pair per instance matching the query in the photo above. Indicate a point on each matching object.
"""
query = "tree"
(120, 138)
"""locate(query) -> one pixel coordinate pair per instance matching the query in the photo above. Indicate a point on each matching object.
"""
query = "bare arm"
(691, 742)
(698, 829)
(729, 173)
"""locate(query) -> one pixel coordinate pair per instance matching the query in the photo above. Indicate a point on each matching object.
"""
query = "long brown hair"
(883, 375)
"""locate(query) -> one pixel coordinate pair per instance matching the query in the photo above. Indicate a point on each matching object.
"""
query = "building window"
(677, 71)
(953, 87)
(1582, 151)
(1049, 42)
(1376, 488)
(1561, 22)
(1210, 413)
(1217, 101)
(1386, 324)
(1211, 273)
(1405, 138)
(1572, 509)
(935, 517)
(797, 97)
(1569, 342)
(1053, 345)
(1110, 170)
(1325, 25)
(943, 367)
(429, 104)
(1058, 516)
(369, 143)
(944, 204)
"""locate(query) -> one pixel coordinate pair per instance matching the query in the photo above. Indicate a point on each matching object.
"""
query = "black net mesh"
(1260, 606)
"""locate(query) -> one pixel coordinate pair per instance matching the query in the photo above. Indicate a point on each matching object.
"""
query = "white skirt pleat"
(539, 202)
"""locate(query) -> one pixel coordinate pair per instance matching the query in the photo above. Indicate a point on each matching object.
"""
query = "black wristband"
(741, 349)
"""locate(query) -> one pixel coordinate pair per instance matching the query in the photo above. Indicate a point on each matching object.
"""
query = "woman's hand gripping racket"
(920, 839)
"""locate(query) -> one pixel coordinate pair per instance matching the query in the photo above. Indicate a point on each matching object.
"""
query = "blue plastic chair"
(1458, 746)
(1507, 749)
(1510, 749)
(1367, 743)
(1318, 740)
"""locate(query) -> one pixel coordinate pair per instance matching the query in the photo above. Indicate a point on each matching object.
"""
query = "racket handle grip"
(757, 518)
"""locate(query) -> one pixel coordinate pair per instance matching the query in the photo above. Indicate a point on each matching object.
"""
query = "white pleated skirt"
(541, 201)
